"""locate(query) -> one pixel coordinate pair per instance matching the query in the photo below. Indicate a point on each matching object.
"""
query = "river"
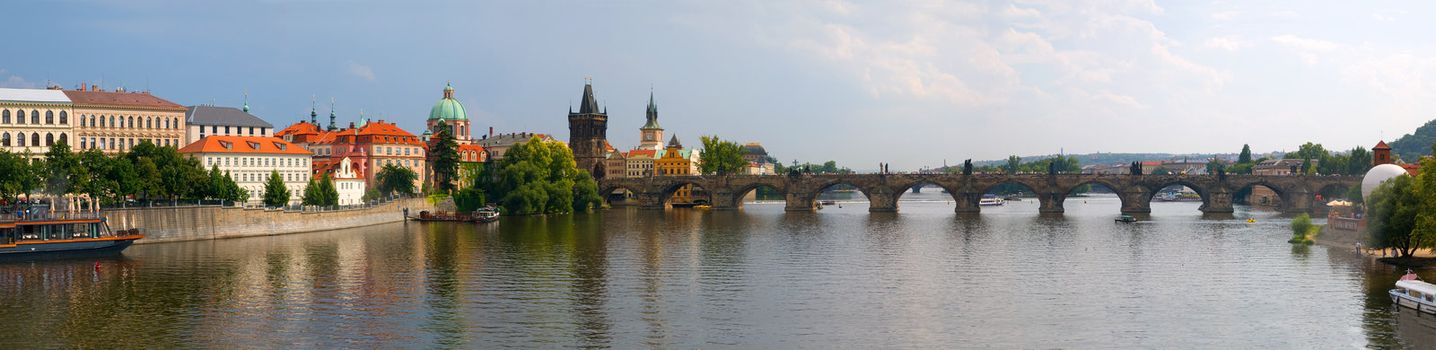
(751, 279)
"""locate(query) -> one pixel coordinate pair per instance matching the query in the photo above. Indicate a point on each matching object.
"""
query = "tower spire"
(313, 110)
(246, 101)
(588, 104)
(332, 118)
(652, 114)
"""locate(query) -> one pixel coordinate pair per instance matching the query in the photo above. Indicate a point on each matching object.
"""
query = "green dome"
(448, 108)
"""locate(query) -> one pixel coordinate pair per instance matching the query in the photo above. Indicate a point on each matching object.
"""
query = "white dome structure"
(1377, 175)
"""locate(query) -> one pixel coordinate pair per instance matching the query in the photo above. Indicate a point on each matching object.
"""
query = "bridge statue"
(967, 167)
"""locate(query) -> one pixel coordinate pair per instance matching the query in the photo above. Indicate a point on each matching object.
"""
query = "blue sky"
(909, 83)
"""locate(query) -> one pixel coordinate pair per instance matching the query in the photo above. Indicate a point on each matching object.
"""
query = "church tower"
(588, 133)
(652, 134)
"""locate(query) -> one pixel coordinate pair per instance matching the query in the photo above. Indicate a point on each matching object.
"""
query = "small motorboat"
(828, 202)
(703, 207)
(1412, 292)
(1126, 218)
(1251, 220)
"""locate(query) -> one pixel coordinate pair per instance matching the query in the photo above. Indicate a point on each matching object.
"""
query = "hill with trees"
(1411, 147)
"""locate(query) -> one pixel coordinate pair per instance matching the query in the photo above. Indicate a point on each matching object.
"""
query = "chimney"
(351, 125)
(95, 88)
(491, 131)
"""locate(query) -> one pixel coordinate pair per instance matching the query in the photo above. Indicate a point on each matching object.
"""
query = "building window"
(64, 118)
(34, 117)
(20, 139)
(20, 117)
(5, 139)
(5, 117)
(49, 140)
(65, 139)
(50, 117)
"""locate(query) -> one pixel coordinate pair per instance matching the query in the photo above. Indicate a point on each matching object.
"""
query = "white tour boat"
(1411, 292)
(990, 200)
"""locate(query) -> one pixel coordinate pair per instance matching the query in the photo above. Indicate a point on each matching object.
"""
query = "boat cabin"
(1418, 290)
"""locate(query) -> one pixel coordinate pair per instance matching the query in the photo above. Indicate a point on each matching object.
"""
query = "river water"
(751, 279)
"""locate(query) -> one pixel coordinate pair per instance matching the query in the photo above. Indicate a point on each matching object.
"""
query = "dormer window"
(280, 146)
(253, 145)
(227, 145)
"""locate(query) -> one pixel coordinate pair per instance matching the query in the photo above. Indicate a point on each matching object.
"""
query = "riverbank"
(1347, 239)
(178, 224)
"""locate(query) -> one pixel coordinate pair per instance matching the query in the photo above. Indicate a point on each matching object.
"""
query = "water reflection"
(756, 278)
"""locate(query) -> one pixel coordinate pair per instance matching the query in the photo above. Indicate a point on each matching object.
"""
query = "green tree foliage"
(1416, 144)
(445, 159)
(537, 177)
(1308, 151)
(1301, 229)
(1014, 164)
(311, 194)
(63, 172)
(469, 199)
(238, 193)
(19, 175)
(1358, 161)
(395, 179)
(1246, 155)
(328, 194)
(275, 193)
(721, 157)
(1392, 215)
(828, 167)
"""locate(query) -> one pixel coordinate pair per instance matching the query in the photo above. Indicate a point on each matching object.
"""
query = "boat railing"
(59, 215)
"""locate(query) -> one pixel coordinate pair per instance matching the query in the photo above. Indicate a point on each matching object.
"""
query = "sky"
(912, 84)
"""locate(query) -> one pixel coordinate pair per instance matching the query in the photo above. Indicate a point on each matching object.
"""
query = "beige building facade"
(115, 121)
(33, 119)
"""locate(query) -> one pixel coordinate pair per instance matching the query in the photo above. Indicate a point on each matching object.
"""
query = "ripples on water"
(756, 278)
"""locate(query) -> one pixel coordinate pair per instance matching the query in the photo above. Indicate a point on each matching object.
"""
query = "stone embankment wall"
(213, 222)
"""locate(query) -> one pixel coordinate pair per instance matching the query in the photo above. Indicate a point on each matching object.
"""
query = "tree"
(1392, 215)
(275, 193)
(311, 194)
(328, 194)
(1301, 229)
(445, 159)
(1423, 234)
(17, 170)
(396, 179)
(1246, 156)
(721, 157)
(469, 199)
(1358, 161)
(537, 177)
(585, 193)
(1013, 162)
(148, 182)
(218, 188)
(1308, 151)
(63, 172)
(238, 194)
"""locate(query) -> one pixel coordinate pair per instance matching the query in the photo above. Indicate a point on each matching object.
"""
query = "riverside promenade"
(175, 224)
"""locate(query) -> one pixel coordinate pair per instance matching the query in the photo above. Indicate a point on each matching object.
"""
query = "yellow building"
(33, 119)
(677, 161)
(115, 121)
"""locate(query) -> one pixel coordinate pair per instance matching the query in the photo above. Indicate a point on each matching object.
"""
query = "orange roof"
(640, 152)
(122, 100)
(300, 128)
(243, 144)
(1381, 145)
(473, 147)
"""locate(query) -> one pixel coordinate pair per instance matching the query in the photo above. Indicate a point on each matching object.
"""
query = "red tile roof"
(243, 144)
(300, 128)
(1381, 145)
(121, 100)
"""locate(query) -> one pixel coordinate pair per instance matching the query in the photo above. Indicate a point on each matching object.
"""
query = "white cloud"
(361, 71)
(1387, 15)
(1301, 43)
(15, 81)
(1228, 43)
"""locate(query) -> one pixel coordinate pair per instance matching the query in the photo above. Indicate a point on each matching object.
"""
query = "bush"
(1302, 230)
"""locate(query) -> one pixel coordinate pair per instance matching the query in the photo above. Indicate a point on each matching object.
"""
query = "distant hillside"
(1414, 145)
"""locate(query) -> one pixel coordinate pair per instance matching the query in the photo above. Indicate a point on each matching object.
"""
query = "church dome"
(448, 108)
(1377, 175)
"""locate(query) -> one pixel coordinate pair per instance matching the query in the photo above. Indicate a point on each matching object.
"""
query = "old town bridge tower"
(588, 133)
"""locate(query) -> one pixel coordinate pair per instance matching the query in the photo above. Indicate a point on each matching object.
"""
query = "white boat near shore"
(1413, 293)
(990, 201)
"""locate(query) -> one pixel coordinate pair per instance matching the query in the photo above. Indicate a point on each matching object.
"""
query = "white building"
(33, 119)
(251, 159)
(349, 183)
(204, 121)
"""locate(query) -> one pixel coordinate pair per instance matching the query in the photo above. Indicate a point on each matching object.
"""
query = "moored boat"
(1126, 218)
(61, 232)
(1411, 292)
(487, 214)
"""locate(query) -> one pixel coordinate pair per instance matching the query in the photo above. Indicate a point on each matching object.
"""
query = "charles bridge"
(1298, 193)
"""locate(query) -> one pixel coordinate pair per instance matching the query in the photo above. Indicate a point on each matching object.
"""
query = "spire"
(333, 120)
(652, 122)
(313, 110)
(588, 104)
(673, 142)
(449, 90)
(246, 101)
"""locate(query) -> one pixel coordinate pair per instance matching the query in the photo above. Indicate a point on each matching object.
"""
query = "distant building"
(224, 121)
(497, 145)
(677, 161)
(759, 162)
(349, 182)
(651, 134)
(640, 162)
(251, 159)
(115, 121)
(616, 164)
(587, 133)
(33, 119)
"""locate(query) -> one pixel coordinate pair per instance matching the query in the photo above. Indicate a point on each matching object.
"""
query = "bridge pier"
(1300, 202)
(798, 201)
(725, 200)
(882, 200)
(1051, 203)
(967, 202)
(1218, 201)
(650, 201)
(1135, 201)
